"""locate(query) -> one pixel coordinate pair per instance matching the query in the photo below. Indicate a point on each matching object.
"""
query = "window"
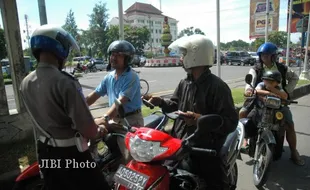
(156, 40)
(156, 31)
(160, 31)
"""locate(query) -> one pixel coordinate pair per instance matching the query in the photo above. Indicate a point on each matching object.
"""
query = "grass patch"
(237, 94)
(7, 81)
(303, 82)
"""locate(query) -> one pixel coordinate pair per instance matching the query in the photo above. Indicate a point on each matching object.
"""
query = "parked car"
(221, 56)
(136, 61)
(254, 55)
(142, 60)
(240, 58)
(100, 65)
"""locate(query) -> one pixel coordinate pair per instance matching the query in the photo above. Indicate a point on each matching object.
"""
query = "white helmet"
(197, 50)
(52, 39)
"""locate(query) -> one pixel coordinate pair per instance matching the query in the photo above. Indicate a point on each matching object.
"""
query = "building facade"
(141, 14)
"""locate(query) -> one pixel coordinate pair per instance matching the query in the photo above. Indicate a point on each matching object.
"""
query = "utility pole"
(27, 30)
(267, 21)
(121, 19)
(151, 31)
(42, 12)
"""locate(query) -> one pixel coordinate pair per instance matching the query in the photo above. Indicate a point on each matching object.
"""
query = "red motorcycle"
(151, 148)
(108, 161)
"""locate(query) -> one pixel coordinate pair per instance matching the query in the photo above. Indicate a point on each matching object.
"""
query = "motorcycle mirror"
(206, 124)
(209, 123)
(119, 108)
(248, 79)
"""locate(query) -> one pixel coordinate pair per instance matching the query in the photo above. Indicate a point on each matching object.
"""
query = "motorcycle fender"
(31, 171)
(268, 137)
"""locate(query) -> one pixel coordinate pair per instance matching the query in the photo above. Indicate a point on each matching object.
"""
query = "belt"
(133, 112)
(58, 142)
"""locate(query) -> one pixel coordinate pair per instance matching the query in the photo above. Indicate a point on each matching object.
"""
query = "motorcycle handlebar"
(148, 104)
(203, 150)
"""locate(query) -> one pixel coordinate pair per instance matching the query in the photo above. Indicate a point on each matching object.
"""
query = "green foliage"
(137, 36)
(190, 31)
(3, 50)
(278, 38)
(149, 55)
(98, 29)
(5, 76)
(71, 27)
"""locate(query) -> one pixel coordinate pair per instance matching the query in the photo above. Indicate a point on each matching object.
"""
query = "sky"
(234, 15)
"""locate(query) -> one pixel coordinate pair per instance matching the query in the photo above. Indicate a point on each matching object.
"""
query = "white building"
(141, 14)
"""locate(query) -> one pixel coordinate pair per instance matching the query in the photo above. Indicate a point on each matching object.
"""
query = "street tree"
(137, 36)
(3, 50)
(98, 29)
(71, 27)
(279, 38)
(190, 31)
(113, 33)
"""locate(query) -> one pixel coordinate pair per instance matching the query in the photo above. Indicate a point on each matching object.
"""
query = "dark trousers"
(67, 168)
(209, 168)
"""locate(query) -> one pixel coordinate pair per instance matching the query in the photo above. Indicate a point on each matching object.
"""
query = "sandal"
(297, 159)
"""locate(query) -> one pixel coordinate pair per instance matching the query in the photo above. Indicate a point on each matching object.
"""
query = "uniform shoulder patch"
(69, 75)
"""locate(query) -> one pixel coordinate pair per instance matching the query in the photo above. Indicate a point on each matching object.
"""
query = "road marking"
(163, 92)
(167, 92)
(151, 81)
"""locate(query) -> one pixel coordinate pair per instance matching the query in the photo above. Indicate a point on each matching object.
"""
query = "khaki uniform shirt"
(56, 102)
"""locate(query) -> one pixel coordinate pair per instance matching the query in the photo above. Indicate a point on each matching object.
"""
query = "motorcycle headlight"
(144, 151)
(273, 102)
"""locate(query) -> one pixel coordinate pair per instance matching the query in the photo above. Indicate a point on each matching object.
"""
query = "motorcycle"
(108, 157)
(91, 67)
(150, 148)
(81, 69)
(266, 134)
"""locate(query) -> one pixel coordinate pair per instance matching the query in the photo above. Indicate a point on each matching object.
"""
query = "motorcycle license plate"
(130, 179)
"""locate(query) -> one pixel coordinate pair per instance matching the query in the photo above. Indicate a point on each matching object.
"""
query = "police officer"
(55, 101)
(201, 93)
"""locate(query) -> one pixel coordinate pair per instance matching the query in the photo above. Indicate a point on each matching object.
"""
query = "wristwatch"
(106, 117)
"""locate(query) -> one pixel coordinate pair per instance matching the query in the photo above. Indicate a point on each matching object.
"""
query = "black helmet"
(272, 75)
(124, 47)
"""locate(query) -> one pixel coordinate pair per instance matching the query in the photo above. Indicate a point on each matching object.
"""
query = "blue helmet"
(52, 39)
(268, 48)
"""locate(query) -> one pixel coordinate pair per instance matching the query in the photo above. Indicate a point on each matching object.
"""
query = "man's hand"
(101, 121)
(248, 92)
(190, 117)
(102, 130)
(156, 101)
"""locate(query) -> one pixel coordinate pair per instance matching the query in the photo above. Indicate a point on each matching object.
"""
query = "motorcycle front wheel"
(261, 167)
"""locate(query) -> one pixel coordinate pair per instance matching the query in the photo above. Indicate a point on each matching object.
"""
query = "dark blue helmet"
(268, 48)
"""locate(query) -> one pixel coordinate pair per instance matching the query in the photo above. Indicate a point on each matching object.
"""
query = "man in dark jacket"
(201, 93)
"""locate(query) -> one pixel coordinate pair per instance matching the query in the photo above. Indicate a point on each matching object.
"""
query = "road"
(284, 174)
(162, 80)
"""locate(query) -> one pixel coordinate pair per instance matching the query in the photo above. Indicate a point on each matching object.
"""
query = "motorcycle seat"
(229, 146)
(153, 120)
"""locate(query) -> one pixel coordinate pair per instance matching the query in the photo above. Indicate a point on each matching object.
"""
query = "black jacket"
(208, 95)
